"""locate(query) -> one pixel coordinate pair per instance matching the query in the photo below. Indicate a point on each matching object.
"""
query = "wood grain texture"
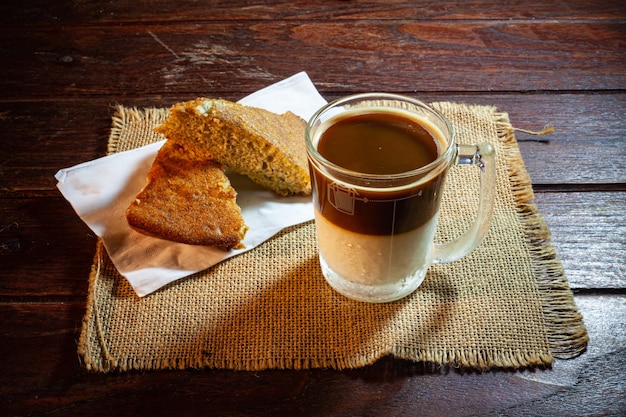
(45, 249)
(246, 55)
(63, 12)
(589, 235)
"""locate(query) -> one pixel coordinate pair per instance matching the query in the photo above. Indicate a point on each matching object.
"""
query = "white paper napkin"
(101, 190)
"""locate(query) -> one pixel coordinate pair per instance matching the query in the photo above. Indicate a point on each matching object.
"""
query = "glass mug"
(378, 165)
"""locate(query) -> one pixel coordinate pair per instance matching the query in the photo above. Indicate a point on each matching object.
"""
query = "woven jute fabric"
(507, 304)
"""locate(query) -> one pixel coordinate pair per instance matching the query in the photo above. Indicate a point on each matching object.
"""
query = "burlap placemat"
(507, 304)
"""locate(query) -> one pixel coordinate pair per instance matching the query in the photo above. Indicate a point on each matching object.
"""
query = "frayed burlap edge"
(566, 332)
(108, 361)
(124, 115)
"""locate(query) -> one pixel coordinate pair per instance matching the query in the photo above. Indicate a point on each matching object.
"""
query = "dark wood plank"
(39, 138)
(41, 340)
(45, 249)
(166, 11)
(592, 376)
(589, 235)
(226, 58)
(588, 146)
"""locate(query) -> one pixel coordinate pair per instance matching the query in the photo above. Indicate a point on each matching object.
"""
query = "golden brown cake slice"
(267, 147)
(188, 199)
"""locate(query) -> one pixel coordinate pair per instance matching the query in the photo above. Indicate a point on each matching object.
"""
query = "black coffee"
(378, 143)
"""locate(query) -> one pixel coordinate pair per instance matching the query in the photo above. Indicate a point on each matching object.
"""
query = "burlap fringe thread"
(123, 115)
(567, 336)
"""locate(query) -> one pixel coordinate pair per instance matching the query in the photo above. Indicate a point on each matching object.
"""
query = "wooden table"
(64, 65)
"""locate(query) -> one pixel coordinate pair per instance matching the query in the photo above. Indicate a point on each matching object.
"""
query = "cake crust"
(267, 147)
(188, 199)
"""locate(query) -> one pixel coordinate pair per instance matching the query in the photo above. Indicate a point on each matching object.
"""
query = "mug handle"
(483, 157)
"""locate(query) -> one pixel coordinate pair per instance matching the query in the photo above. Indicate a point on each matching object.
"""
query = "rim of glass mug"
(378, 104)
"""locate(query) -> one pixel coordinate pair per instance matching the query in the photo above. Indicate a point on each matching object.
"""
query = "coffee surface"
(378, 143)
